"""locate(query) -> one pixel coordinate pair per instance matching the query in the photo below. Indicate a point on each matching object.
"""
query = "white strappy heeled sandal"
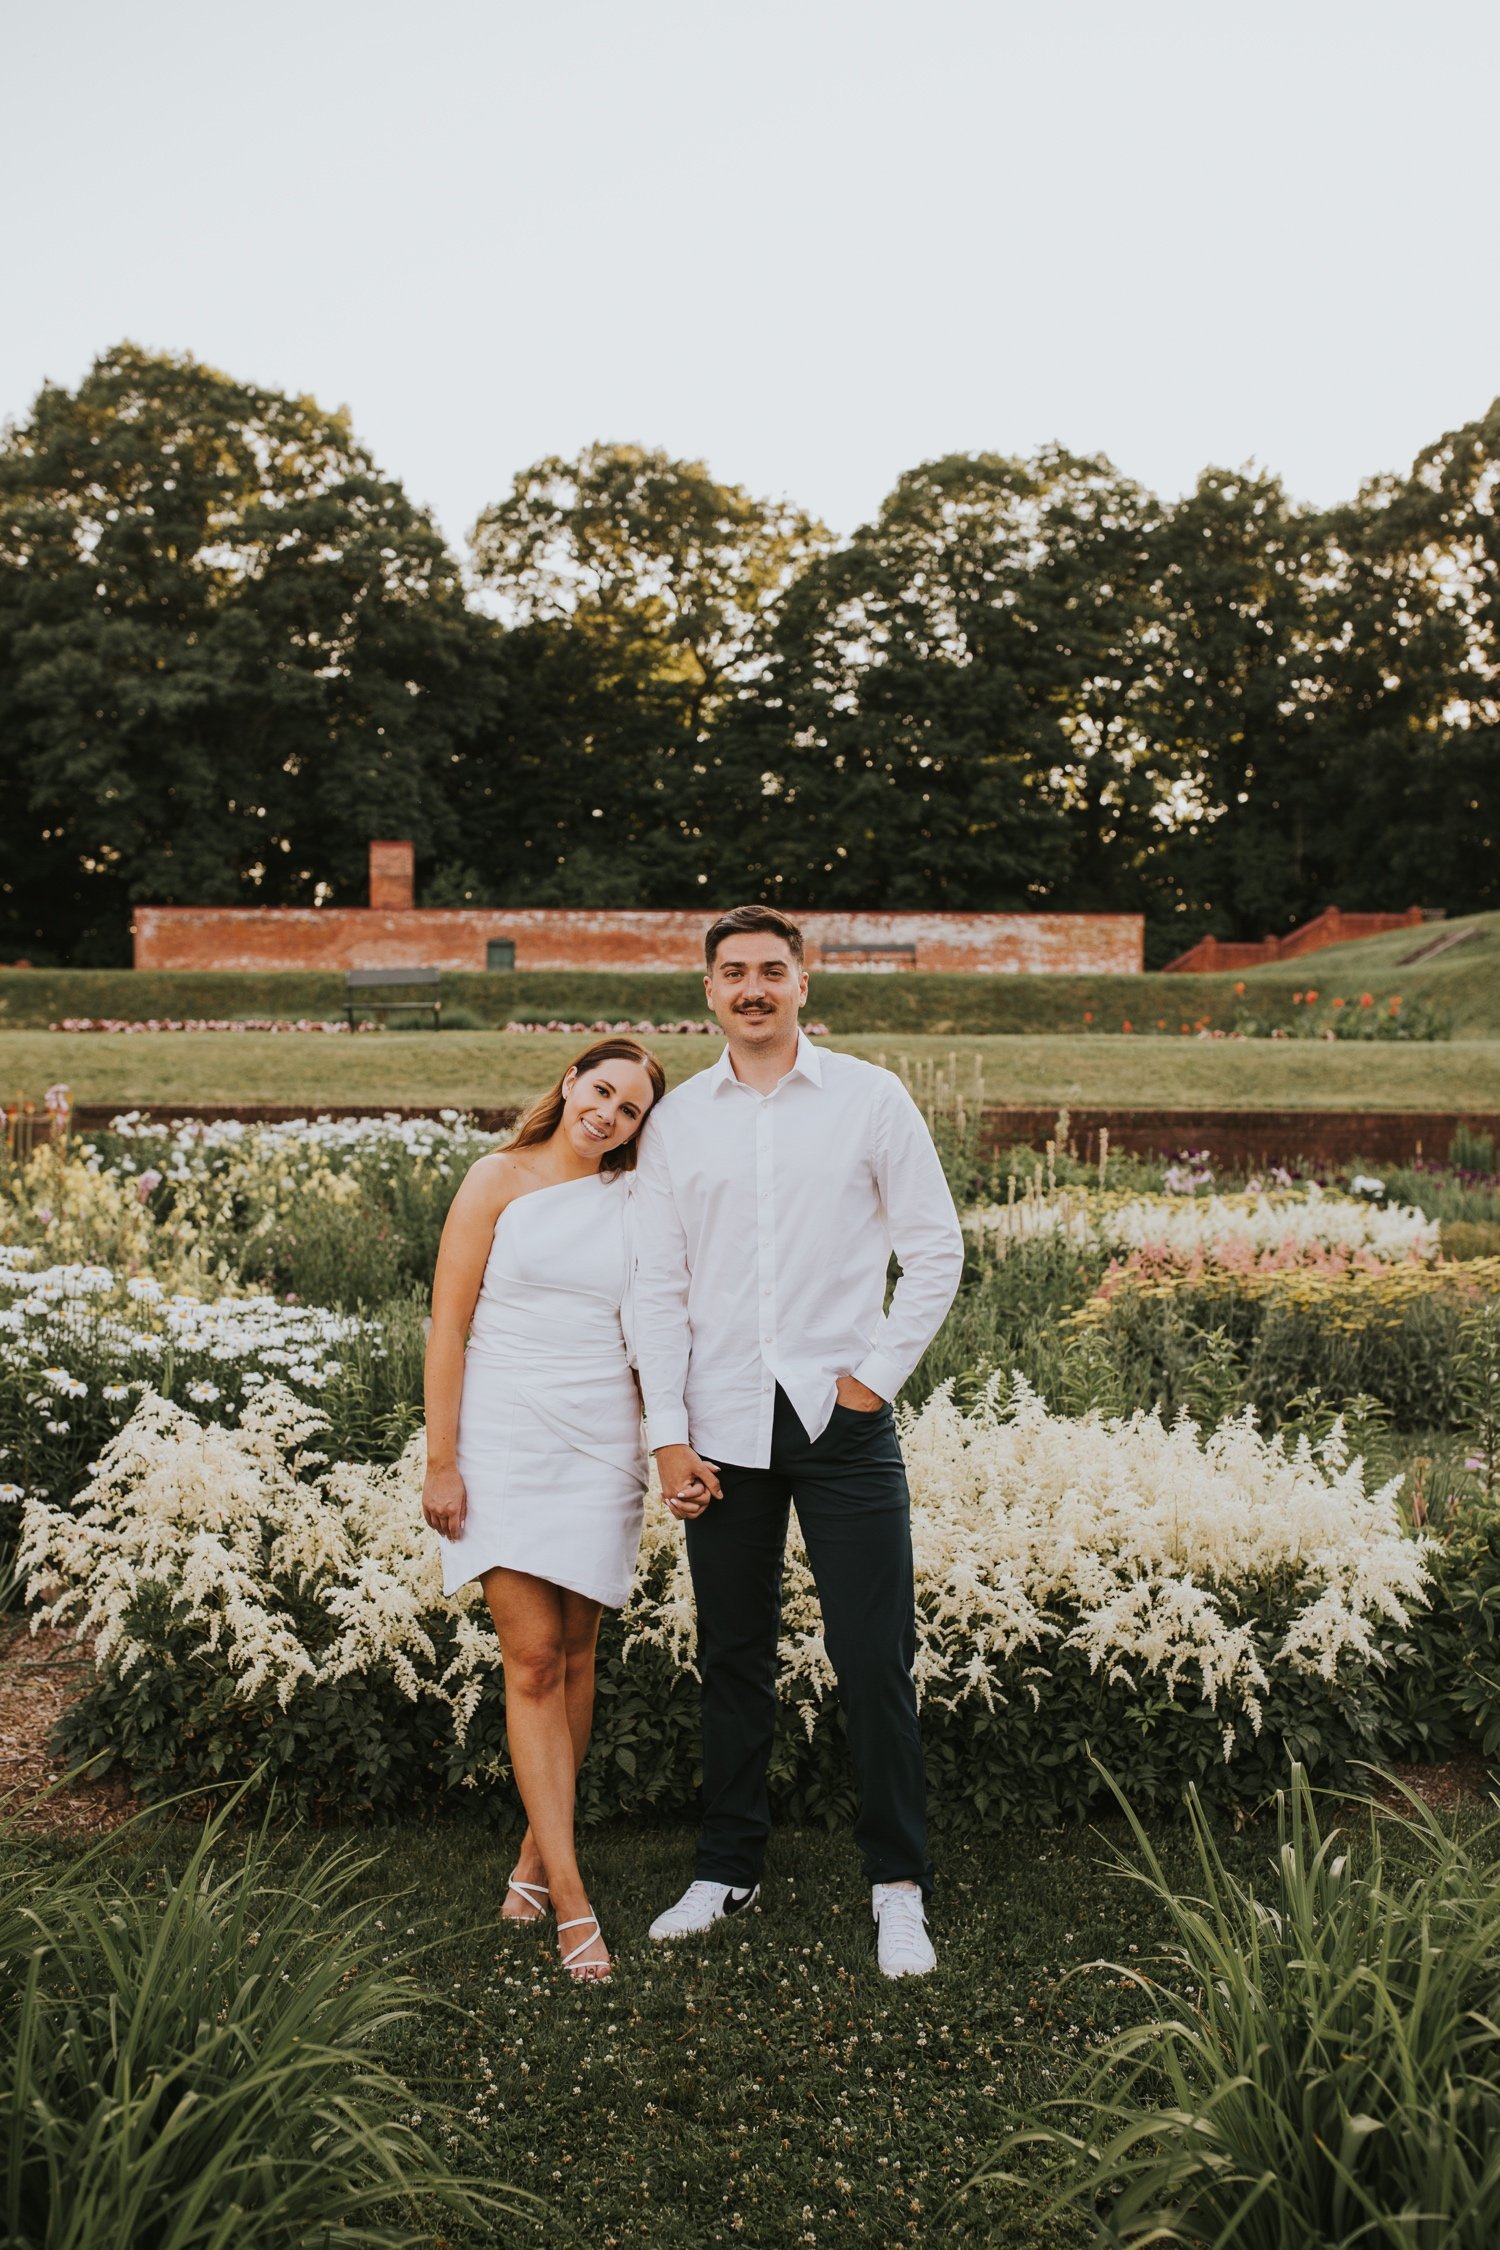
(587, 1972)
(536, 1896)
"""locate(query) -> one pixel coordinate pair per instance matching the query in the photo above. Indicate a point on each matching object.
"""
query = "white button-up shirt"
(764, 1229)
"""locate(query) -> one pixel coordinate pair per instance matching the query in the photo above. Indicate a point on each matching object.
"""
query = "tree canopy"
(232, 650)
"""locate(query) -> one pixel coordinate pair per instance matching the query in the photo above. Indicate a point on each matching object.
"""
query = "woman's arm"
(462, 1256)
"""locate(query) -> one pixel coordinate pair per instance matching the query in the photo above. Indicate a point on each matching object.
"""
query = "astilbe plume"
(1139, 1545)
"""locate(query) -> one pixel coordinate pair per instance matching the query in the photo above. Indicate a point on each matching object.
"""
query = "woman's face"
(605, 1107)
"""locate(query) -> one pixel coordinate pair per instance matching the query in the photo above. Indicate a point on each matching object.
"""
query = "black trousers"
(852, 1502)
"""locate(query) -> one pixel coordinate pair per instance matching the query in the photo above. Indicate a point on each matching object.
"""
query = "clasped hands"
(688, 1482)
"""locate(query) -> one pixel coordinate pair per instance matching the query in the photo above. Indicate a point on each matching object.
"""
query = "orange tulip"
(1367, 999)
(1239, 988)
(1338, 1003)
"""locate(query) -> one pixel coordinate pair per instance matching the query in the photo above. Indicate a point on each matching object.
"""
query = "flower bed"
(206, 1023)
(1246, 1233)
(1180, 1606)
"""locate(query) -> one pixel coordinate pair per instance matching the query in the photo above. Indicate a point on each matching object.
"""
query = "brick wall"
(377, 937)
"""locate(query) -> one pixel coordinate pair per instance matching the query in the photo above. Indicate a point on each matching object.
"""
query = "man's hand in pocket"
(858, 1396)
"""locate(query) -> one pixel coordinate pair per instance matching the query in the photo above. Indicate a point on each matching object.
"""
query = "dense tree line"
(232, 650)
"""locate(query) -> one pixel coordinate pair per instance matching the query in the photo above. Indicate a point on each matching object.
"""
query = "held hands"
(445, 1503)
(688, 1482)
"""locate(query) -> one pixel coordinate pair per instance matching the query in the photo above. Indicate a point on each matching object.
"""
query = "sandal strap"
(583, 1945)
(535, 1894)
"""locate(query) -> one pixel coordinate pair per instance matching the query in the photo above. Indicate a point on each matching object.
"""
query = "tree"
(1235, 708)
(640, 592)
(950, 715)
(1409, 729)
(230, 653)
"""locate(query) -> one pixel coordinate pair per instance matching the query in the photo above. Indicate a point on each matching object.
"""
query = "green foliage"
(1333, 1016)
(195, 2063)
(362, 1746)
(230, 652)
(1285, 1348)
(1318, 2063)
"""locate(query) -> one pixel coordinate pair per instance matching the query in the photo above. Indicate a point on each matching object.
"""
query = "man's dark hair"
(742, 918)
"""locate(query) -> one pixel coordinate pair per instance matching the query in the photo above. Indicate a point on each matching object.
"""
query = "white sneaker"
(902, 1943)
(700, 1906)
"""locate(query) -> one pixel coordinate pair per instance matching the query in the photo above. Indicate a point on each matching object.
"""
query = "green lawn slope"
(1464, 985)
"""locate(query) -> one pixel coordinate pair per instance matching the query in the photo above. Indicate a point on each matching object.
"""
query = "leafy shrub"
(195, 2066)
(1393, 1335)
(1189, 1606)
(1318, 2066)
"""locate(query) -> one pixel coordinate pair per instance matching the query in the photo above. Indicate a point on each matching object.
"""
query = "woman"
(536, 1467)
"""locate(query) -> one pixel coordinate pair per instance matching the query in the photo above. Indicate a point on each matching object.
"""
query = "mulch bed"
(38, 1675)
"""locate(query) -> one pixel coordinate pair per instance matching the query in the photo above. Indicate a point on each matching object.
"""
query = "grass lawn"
(491, 1070)
(765, 2086)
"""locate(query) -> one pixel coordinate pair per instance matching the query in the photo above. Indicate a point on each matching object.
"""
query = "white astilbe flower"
(1156, 1556)
(1239, 1232)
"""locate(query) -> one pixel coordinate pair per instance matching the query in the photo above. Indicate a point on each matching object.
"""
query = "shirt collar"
(809, 1065)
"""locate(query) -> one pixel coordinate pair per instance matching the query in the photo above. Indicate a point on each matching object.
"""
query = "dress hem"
(605, 1601)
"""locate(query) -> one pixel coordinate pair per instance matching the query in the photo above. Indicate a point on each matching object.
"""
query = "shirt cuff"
(881, 1374)
(666, 1425)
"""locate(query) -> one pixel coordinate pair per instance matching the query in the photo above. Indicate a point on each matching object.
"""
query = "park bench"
(399, 988)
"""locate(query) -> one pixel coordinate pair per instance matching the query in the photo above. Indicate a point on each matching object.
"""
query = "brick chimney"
(391, 877)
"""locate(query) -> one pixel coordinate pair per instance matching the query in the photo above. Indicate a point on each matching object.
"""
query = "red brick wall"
(221, 937)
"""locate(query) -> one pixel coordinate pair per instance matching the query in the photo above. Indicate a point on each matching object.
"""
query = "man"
(770, 1192)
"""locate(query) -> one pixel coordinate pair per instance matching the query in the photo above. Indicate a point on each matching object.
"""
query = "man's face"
(755, 988)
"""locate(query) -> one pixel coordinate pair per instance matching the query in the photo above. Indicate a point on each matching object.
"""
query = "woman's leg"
(580, 1627)
(529, 1616)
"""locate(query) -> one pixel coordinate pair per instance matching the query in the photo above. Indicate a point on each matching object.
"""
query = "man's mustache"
(753, 1008)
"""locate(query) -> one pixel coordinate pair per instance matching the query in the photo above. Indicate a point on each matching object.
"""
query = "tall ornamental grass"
(194, 2066)
(1319, 2062)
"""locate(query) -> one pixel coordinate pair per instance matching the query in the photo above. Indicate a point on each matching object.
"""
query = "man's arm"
(925, 1235)
(663, 1337)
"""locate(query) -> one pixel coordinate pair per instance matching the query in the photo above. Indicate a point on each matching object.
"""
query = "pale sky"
(812, 242)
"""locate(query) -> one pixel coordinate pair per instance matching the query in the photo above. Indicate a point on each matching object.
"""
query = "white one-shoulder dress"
(550, 1444)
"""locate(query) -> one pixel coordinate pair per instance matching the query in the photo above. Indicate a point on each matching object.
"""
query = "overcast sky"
(811, 242)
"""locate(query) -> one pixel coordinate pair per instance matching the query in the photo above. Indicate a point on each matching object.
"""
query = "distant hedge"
(844, 1000)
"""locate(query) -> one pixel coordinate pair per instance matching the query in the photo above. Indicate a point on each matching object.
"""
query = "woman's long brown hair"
(541, 1118)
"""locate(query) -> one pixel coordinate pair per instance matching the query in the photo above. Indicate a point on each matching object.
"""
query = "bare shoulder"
(490, 1183)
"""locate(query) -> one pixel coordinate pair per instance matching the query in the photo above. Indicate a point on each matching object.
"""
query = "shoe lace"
(700, 1893)
(901, 1913)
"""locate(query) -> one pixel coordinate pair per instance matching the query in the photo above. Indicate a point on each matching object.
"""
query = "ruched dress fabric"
(550, 1443)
